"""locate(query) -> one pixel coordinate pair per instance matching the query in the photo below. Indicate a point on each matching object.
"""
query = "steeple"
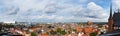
(110, 17)
(110, 20)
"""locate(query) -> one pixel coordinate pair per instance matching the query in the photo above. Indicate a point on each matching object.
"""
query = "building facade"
(114, 20)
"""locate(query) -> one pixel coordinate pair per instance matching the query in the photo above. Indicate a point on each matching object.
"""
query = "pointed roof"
(110, 17)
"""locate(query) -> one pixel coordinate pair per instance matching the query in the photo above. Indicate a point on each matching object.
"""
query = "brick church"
(114, 20)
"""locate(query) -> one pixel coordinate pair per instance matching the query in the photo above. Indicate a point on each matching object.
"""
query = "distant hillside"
(93, 22)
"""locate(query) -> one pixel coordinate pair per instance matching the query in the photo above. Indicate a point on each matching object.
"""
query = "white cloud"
(56, 10)
(95, 10)
(92, 12)
(116, 4)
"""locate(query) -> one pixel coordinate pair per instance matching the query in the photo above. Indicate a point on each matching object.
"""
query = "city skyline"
(56, 10)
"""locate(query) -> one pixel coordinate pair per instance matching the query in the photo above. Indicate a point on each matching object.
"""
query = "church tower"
(110, 20)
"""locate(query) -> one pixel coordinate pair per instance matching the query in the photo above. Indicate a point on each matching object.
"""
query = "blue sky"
(56, 10)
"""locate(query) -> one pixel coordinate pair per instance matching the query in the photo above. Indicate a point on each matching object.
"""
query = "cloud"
(14, 12)
(93, 12)
(52, 11)
(116, 4)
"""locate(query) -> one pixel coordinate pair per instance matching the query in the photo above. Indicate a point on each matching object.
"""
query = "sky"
(56, 10)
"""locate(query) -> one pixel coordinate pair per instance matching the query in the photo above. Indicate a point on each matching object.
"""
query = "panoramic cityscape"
(59, 18)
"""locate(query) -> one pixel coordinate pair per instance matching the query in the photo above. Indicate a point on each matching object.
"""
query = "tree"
(93, 34)
(53, 32)
(59, 30)
(63, 32)
(33, 34)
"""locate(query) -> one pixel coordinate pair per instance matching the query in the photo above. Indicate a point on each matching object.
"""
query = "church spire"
(110, 20)
(110, 17)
